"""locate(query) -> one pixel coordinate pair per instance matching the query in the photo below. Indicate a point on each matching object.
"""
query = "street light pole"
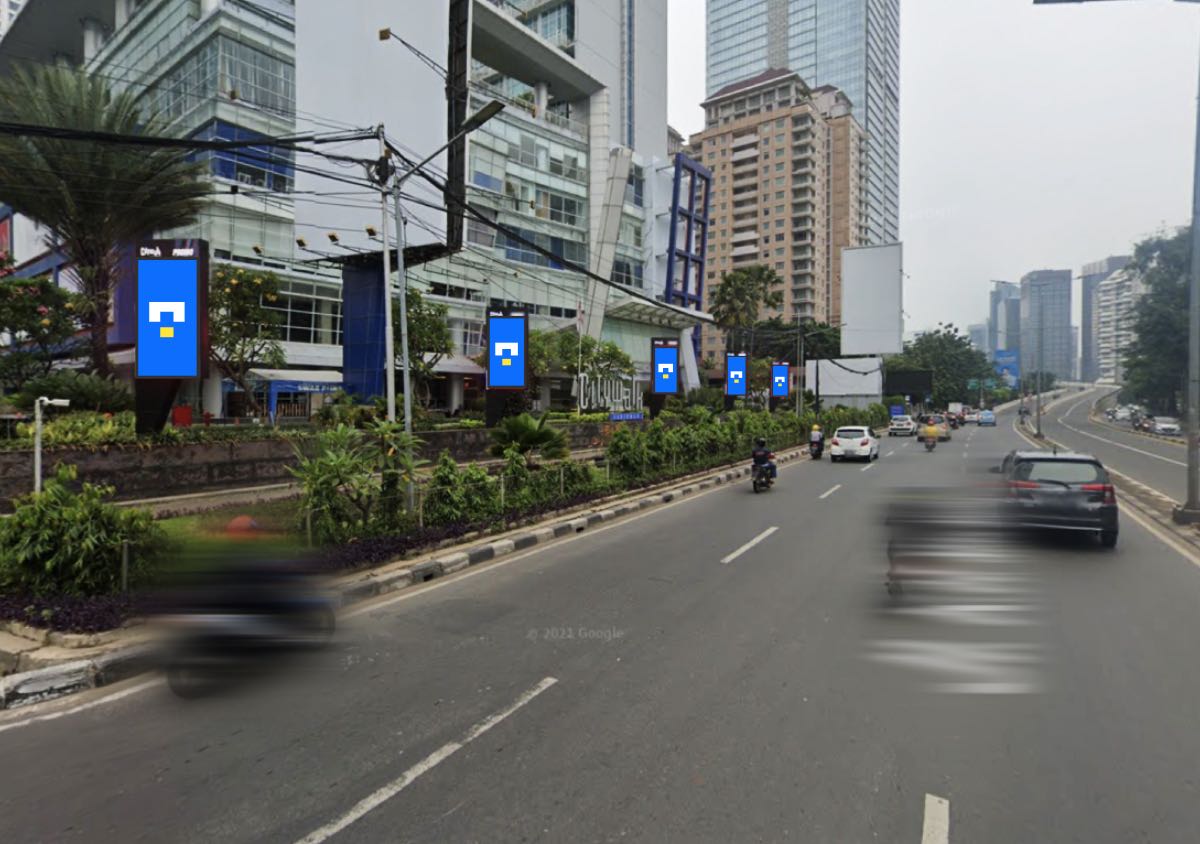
(1190, 511)
(1041, 361)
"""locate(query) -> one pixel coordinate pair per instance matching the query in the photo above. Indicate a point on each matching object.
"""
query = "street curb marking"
(936, 827)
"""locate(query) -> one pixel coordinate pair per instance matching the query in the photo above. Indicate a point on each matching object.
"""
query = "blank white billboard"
(347, 77)
(872, 300)
(845, 377)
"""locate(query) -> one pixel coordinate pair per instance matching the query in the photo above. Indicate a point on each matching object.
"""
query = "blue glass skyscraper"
(852, 44)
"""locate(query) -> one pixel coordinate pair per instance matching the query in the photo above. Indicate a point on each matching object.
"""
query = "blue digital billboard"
(737, 374)
(664, 366)
(1008, 367)
(171, 302)
(780, 380)
(508, 363)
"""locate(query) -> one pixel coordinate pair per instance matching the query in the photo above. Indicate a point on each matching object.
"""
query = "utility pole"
(389, 340)
(800, 364)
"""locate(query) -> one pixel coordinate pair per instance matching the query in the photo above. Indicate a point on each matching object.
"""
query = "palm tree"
(528, 435)
(735, 302)
(93, 195)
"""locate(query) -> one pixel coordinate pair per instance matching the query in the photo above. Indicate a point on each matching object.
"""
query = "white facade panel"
(873, 300)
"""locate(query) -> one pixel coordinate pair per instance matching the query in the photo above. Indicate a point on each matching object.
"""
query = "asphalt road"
(627, 684)
(1160, 464)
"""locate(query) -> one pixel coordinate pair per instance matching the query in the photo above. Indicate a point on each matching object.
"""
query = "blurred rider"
(763, 456)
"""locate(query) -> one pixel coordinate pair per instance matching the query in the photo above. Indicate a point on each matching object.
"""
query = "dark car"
(1061, 491)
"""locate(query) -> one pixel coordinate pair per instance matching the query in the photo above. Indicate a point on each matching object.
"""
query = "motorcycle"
(816, 449)
(225, 634)
(760, 477)
(930, 443)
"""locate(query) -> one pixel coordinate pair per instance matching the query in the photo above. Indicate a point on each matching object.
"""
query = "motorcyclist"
(816, 436)
(930, 430)
(763, 456)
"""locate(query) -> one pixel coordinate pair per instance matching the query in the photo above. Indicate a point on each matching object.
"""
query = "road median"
(112, 662)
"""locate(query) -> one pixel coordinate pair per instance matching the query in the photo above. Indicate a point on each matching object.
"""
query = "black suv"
(1061, 491)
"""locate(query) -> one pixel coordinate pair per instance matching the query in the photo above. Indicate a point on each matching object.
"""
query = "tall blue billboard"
(508, 362)
(1008, 367)
(664, 366)
(780, 380)
(737, 374)
(171, 309)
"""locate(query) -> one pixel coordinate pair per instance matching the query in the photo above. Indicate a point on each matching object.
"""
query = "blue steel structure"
(686, 259)
(363, 302)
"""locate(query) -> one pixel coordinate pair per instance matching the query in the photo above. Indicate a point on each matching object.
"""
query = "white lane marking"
(475, 571)
(378, 798)
(829, 491)
(1114, 442)
(729, 558)
(890, 453)
(865, 468)
(936, 829)
(1154, 530)
(50, 716)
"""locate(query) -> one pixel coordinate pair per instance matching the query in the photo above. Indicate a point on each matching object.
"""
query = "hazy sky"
(1031, 137)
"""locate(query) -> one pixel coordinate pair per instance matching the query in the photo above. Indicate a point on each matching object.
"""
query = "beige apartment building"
(787, 164)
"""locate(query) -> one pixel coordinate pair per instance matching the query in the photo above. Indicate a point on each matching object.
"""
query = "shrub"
(339, 485)
(528, 435)
(445, 499)
(84, 390)
(88, 429)
(62, 542)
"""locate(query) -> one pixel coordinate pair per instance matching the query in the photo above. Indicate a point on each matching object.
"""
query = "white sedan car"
(1166, 425)
(902, 426)
(855, 443)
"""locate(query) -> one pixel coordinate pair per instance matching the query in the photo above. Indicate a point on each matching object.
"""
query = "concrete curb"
(69, 677)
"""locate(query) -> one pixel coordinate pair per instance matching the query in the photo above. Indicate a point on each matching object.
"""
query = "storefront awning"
(457, 365)
(659, 313)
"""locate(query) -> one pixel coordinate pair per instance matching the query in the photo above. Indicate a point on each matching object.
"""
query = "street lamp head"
(385, 34)
(483, 116)
(333, 238)
(45, 401)
(372, 231)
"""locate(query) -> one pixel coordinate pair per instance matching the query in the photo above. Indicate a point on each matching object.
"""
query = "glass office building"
(851, 44)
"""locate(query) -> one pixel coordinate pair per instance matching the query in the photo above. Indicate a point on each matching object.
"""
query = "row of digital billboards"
(171, 329)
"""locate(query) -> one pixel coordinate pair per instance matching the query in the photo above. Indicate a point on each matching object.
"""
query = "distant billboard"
(872, 300)
(845, 377)
(909, 382)
(780, 380)
(1008, 367)
(737, 374)
(664, 365)
(172, 312)
(508, 362)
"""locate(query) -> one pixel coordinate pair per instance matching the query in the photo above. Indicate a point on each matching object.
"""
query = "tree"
(1155, 362)
(93, 196)
(777, 340)
(951, 357)
(429, 340)
(243, 332)
(736, 302)
(41, 319)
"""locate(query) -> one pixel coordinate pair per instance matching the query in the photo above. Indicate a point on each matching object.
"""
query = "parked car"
(1167, 425)
(856, 443)
(1123, 414)
(987, 417)
(1064, 491)
(902, 426)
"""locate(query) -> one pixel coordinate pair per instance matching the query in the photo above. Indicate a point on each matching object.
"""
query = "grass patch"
(276, 516)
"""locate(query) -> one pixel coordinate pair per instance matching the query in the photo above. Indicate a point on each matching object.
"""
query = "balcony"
(746, 250)
(744, 154)
(745, 236)
(745, 140)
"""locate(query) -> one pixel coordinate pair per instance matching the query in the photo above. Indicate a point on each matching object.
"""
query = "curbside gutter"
(66, 678)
